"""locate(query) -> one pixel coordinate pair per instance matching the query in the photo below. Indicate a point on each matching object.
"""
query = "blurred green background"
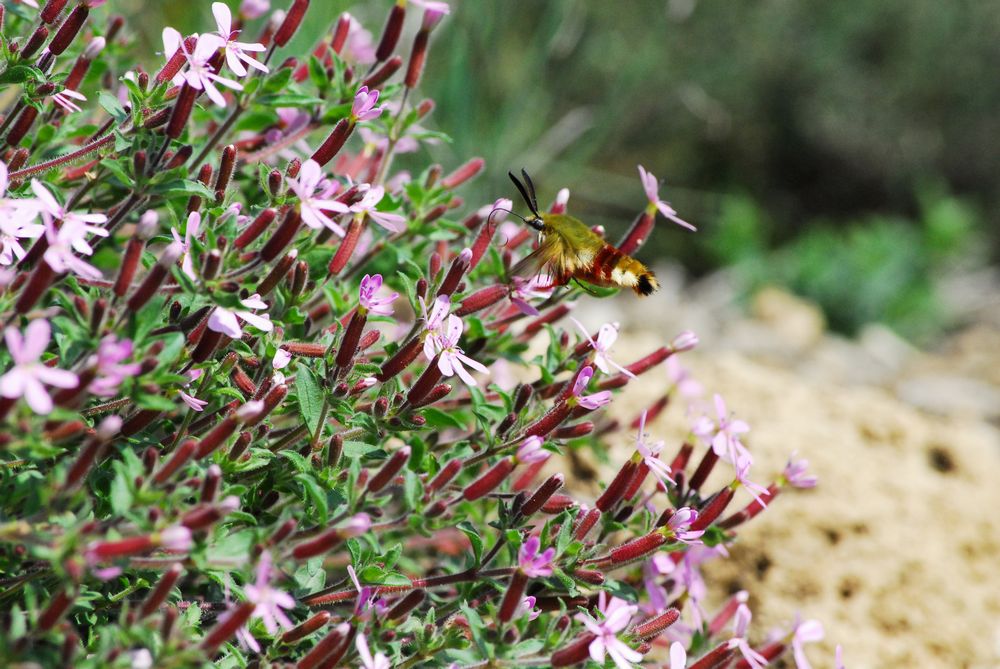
(847, 150)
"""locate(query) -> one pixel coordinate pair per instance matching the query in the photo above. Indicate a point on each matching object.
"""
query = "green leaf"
(438, 418)
(310, 396)
(120, 494)
(358, 449)
(316, 495)
(112, 106)
(18, 74)
(469, 530)
(183, 187)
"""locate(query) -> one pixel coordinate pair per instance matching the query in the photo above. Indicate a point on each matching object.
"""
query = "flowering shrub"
(255, 390)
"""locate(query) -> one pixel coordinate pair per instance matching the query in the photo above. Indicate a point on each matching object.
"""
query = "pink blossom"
(28, 376)
(685, 341)
(453, 359)
(795, 474)
(110, 372)
(435, 324)
(380, 306)
(65, 97)
(539, 286)
(803, 632)
(652, 189)
(678, 656)
(176, 538)
(650, 453)
(680, 525)
(270, 601)
(838, 657)
(360, 46)
(193, 402)
(617, 615)
(527, 608)
(374, 195)
(380, 661)
(681, 379)
(743, 464)
(433, 5)
(16, 221)
(71, 235)
(595, 401)
(367, 603)
(314, 208)
(531, 451)
(191, 231)
(254, 9)
(364, 106)
(236, 55)
(226, 321)
(606, 337)
(741, 623)
(725, 434)
(532, 563)
(199, 75)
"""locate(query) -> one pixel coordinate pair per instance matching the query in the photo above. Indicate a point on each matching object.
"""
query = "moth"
(569, 250)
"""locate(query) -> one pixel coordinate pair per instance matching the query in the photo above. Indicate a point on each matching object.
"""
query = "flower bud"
(382, 74)
(54, 612)
(277, 273)
(254, 230)
(181, 111)
(513, 596)
(389, 470)
(293, 18)
(282, 236)
(334, 142)
(443, 477)
(227, 627)
(463, 173)
(405, 605)
(637, 234)
(589, 576)
(713, 509)
(306, 628)
(321, 654)
(50, 12)
(541, 496)
(652, 627)
(489, 481)
(481, 299)
(154, 279)
(617, 487)
(160, 591)
(346, 248)
(576, 652)
(637, 548)
(390, 34)
(400, 360)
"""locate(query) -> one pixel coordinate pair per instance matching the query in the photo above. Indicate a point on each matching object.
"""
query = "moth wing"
(554, 255)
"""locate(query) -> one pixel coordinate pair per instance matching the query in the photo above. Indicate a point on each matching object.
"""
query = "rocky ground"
(896, 551)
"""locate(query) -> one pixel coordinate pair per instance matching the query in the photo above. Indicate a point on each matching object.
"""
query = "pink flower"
(678, 656)
(453, 360)
(617, 615)
(539, 286)
(16, 221)
(595, 401)
(380, 306)
(28, 376)
(380, 661)
(71, 235)
(725, 436)
(838, 657)
(254, 9)
(176, 538)
(235, 51)
(803, 632)
(270, 601)
(795, 474)
(680, 524)
(652, 189)
(531, 451)
(314, 208)
(110, 372)
(434, 324)
(740, 623)
(533, 564)
(433, 5)
(391, 222)
(743, 464)
(527, 608)
(198, 74)
(225, 320)
(606, 337)
(191, 231)
(681, 379)
(685, 341)
(651, 454)
(65, 97)
(193, 402)
(364, 106)
(366, 603)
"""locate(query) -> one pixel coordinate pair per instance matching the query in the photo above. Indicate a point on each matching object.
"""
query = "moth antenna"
(533, 222)
(531, 191)
(524, 194)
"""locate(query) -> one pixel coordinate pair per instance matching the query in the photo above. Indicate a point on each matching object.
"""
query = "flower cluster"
(220, 440)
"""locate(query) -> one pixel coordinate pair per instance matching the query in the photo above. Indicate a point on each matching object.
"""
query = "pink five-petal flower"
(530, 451)
(254, 9)
(199, 75)
(236, 56)
(680, 524)
(758, 491)
(314, 209)
(725, 434)
(191, 231)
(17, 218)
(28, 376)
(107, 362)
(595, 401)
(795, 474)
(366, 205)
(379, 661)
(652, 189)
(65, 98)
(606, 337)
(453, 360)
(531, 562)
(270, 601)
(527, 608)
(741, 621)
(803, 632)
(381, 306)
(435, 324)
(538, 286)
(617, 615)
(227, 322)
(681, 379)
(364, 107)
(650, 453)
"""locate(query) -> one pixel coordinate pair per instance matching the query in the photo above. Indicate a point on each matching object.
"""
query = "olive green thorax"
(575, 232)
